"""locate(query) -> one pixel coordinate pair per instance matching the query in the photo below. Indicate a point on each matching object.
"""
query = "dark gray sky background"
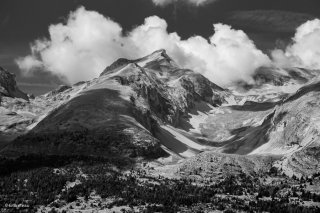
(23, 21)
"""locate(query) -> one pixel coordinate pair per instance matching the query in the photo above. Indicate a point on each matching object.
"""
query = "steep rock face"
(8, 85)
(297, 130)
(296, 119)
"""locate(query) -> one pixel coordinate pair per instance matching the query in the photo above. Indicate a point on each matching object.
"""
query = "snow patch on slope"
(178, 143)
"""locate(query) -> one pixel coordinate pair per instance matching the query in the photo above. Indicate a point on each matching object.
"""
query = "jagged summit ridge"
(158, 56)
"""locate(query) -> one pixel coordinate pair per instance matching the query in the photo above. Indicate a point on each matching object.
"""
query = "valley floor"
(97, 185)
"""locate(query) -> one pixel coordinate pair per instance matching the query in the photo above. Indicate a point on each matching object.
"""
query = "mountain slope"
(139, 108)
(130, 100)
(288, 129)
(13, 120)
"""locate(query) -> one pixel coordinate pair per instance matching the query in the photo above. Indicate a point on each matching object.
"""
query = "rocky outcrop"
(8, 85)
(304, 162)
(214, 165)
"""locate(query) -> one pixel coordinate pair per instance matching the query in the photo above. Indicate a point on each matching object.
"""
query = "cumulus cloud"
(305, 48)
(192, 2)
(88, 42)
(28, 63)
(78, 49)
(228, 57)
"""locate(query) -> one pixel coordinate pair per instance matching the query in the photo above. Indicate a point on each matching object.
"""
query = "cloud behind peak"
(87, 42)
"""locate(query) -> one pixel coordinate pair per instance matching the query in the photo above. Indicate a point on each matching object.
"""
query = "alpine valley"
(150, 136)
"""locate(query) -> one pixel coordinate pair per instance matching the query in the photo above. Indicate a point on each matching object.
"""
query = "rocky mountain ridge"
(128, 100)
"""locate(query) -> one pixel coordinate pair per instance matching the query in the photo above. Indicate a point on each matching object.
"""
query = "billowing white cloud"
(305, 48)
(79, 49)
(193, 2)
(28, 63)
(88, 42)
(228, 57)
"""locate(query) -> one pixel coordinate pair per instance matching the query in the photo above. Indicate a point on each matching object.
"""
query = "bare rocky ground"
(148, 136)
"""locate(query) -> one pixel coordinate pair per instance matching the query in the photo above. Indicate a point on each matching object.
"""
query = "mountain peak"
(159, 56)
(3, 72)
(159, 51)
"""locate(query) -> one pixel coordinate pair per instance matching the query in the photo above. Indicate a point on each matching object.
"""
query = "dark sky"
(23, 21)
